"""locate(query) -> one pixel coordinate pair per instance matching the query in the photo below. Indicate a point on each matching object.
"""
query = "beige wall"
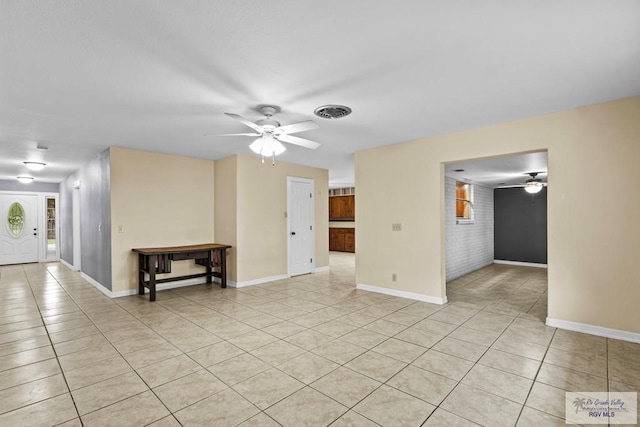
(226, 210)
(160, 200)
(593, 230)
(261, 223)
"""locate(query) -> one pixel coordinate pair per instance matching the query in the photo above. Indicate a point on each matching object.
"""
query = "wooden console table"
(158, 261)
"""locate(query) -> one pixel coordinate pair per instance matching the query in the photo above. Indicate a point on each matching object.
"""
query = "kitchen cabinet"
(342, 208)
(342, 239)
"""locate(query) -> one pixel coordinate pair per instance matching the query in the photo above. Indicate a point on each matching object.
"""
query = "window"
(464, 201)
(15, 219)
(51, 224)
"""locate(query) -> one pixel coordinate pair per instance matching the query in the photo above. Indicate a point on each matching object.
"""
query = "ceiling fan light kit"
(533, 185)
(271, 134)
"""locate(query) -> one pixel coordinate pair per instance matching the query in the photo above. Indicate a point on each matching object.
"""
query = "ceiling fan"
(532, 185)
(271, 134)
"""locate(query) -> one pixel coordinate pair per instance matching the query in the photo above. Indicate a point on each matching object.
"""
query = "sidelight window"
(464, 201)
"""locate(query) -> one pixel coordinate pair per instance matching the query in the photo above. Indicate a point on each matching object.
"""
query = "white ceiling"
(82, 75)
(499, 171)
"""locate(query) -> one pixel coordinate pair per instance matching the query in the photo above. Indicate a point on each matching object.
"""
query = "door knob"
(293, 233)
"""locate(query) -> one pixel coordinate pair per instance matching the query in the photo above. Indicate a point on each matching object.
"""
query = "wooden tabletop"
(179, 249)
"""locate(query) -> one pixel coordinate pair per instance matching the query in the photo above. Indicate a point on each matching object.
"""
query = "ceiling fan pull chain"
(273, 159)
(262, 158)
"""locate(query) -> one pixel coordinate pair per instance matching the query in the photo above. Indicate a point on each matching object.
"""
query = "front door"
(301, 225)
(19, 231)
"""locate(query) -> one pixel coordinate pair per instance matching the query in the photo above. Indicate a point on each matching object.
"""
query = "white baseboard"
(128, 292)
(594, 330)
(256, 281)
(402, 294)
(522, 264)
(322, 269)
(99, 286)
(66, 264)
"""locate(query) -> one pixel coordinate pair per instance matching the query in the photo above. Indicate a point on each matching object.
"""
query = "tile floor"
(307, 351)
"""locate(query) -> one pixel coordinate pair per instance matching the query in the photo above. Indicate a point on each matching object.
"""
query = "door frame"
(41, 221)
(291, 179)
(76, 228)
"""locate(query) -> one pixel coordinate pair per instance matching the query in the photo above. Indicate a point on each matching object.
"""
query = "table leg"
(223, 267)
(152, 277)
(209, 276)
(140, 274)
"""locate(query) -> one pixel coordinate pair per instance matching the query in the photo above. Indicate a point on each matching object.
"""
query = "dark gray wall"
(38, 187)
(95, 218)
(520, 225)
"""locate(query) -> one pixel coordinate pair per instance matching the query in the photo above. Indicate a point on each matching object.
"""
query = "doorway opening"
(300, 226)
(496, 233)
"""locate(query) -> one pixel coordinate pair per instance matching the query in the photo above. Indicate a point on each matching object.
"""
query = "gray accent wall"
(468, 247)
(95, 218)
(35, 186)
(521, 225)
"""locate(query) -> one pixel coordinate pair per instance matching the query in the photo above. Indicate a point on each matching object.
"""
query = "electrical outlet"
(396, 227)
(394, 277)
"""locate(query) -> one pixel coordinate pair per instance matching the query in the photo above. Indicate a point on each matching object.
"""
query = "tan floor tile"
(461, 349)
(500, 383)
(449, 366)
(385, 327)
(425, 385)
(309, 339)
(583, 362)
(87, 357)
(346, 386)
(45, 413)
(104, 393)
(169, 421)
(32, 392)
(339, 351)
(353, 419)
(390, 407)
(72, 334)
(308, 367)
(136, 344)
(141, 409)
(22, 334)
(357, 319)
(570, 380)
(547, 399)
(26, 357)
(23, 345)
(284, 329)
(215, 353)
(79, 344)
(89, 375)
(481, 407)
(147, 356)
(252, 340)
(376, 366)
(224, 409)
(268, 387)
(168, 370)
(306, 407)
(511, 363)
(335, 328)
(483, 338)
(400, 350)
(520, 348)
(442, 418)
(277, 352)
(187, 390)
(238, 368)
(260, 420)
(363, 338)
(534, 418)
(419, 337)
(27, 373)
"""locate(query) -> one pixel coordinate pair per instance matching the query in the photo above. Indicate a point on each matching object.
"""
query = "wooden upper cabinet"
(342, 208)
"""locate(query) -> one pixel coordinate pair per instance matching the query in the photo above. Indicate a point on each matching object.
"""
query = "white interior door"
(19, 230)
(300, 225)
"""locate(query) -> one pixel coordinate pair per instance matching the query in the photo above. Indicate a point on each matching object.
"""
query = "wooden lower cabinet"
(342, 239)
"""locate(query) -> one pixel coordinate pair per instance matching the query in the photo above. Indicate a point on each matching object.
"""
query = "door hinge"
(311, 227)
(311, 260)
(311, 195)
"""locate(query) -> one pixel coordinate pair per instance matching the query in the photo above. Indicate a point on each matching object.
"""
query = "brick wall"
(468, 247)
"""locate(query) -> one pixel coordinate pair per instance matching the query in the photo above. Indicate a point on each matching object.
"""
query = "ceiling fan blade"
(240, 134)
(297, 141)
(244, 121)
(297, 127)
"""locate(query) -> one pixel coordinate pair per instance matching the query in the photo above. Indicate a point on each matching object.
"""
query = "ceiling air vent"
(332, 111)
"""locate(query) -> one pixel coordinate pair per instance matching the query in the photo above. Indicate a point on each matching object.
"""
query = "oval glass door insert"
(15, 219)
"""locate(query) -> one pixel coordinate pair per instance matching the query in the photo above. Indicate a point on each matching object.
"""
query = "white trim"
(402, 294)
(523, 264)
(66, 264)
(99, 286)
(600, 331)
(322, 269)
(246, 283)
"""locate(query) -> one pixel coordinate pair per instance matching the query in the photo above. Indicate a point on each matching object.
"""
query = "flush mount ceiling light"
(25, 179)
(533, 185)
(35, 166)
(332, 111)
